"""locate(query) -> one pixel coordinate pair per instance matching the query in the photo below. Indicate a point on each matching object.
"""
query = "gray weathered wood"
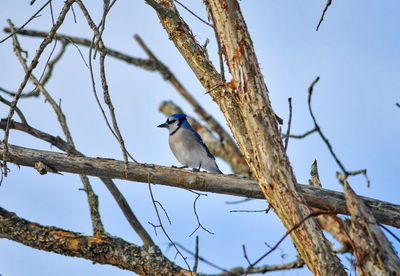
(384, 212)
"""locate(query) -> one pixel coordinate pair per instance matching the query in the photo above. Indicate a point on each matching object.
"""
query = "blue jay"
(187, 145)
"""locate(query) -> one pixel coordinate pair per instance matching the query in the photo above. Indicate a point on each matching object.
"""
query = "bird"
(187, 145)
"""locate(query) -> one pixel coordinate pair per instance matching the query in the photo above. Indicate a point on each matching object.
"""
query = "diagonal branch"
(93, 201)
(106, 94)
(29, 71)
(319, 198)
(68, 148)
(143, 63)
(328, 3)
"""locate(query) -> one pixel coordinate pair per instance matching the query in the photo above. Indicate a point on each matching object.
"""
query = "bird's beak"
(163, 125)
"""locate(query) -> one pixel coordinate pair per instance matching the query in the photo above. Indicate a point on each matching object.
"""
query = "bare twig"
(162, 227)
(398, 105)
(237, 271)
(196, 255)
(204, 260)
(107, 97)
(328, 3)
(19, 112)
(299, 263)
(29, 70)
(195, 15)
(301, 136)
(55, 43)
(390, 232)
(97, 224)
(251, 211)
(326, 141)
(245, 254)
(197, 216)
(26, 23)
(312, 214)
(289, 124)
(145, 64)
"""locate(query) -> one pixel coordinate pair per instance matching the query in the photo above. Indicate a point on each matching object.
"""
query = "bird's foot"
(195, 169)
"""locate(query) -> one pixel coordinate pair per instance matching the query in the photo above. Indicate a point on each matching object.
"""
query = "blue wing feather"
(198, 138)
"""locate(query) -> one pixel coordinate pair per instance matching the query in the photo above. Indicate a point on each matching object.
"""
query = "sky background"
(355, 53)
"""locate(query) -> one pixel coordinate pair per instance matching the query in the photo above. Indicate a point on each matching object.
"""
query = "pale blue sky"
(355, 52)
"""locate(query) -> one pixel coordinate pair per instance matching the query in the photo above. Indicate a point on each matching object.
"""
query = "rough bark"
(373, 252)
(99, 249)
(245, 104)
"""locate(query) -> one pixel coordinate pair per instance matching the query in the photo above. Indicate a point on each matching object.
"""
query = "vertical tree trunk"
(245, 104)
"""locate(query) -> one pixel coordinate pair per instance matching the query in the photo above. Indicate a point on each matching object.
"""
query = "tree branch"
(385, 212)
(265, 155)
(97, 224)
(99, 249)
(71, 150)
(143, 63)
(372, 249)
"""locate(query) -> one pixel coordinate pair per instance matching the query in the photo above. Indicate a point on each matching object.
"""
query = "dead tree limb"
(373, 252)
(385, 212)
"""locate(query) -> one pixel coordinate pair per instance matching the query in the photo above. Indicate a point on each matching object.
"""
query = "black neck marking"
(179, 126)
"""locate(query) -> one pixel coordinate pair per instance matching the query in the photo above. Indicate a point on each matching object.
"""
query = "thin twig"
(145, 64)
(28, 72)
(55, 44)
(196, 255)
(301, 136)
(390, 232)
(204, 260)
(19, 112)
(289, 124)
(398, 105)
(245, 254)
(195, 15)
(162, 227)
(97, 224)
(313, 214)
(328, 3)
(326, 141)
(197, 216)
(107, 97)
(238, 201)
(26, 23)
(251, 211)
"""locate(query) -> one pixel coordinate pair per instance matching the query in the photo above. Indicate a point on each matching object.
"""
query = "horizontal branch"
(99, 249)
(323, 199)
(143, 63)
